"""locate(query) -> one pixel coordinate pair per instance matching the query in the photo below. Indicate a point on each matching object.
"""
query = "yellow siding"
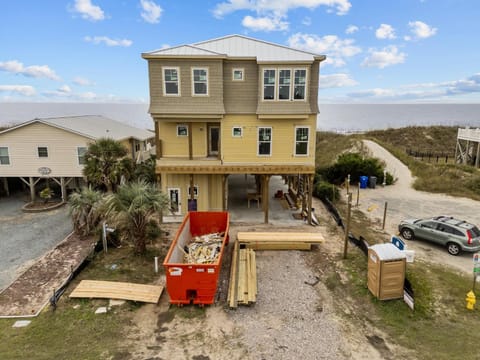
(177, 146)
(244, 149)
(22, 146)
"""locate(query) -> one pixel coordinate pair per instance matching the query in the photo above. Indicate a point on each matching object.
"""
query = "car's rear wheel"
(407, 234)
(453, 249)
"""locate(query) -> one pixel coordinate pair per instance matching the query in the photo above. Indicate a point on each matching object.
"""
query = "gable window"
(269, 76)
(171, 82)
(81, 155)
(182, 130)
(284, 85)
(301, 140)
(237, 131)
(42, 152)
(200, 81)
(264, 141)
(4, 157)
(299, 84)
(237, 75)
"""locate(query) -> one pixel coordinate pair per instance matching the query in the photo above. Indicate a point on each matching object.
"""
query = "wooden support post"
(478, 155)
(310, 196)
(384, 215)
(190, 141)
(32, 189)
(347, 226)
(63, 189)
(265, 196)
(5, 186)
(224, 192)
(358, 194)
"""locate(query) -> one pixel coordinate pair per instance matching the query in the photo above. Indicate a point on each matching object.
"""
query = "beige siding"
(186, 103)
(62, 146)
(244, 149)
(241, 97)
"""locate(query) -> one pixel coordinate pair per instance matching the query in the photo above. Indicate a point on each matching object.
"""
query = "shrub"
(324, 190)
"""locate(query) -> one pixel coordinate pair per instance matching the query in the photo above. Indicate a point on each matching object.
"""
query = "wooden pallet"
(117, 290)
(243, 277)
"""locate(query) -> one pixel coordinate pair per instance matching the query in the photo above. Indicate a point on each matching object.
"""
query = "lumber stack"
(243, 277)
(279, 240)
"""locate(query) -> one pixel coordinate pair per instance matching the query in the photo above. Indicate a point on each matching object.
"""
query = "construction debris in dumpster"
(203, 249)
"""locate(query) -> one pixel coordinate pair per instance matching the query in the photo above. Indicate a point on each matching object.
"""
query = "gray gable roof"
(93, 127)
(238, 46)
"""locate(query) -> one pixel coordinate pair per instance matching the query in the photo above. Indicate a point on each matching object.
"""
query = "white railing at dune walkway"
(469, 134)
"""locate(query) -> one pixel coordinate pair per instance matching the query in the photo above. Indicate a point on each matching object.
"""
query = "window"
(4, 158)
(264, 141)
(237, 75)
(200, 81)
(269, 84)
(195, 192)
(301, 140)
(299, 84)
(284, 85)
(171, 80)
(81, 155)
(42, 151)
(237, 131)
(182, 130)
(290, 84)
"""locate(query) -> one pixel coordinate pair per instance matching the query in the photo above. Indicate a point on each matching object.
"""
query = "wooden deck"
(117, 290)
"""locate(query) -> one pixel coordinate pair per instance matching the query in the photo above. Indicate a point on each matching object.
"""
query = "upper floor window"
(42, 152)
(301, 140)
(269, 76)
(284, 84)
(200, 81)
(237, 131)
(264, 141)
(81, 155)
(182, 130)
(171, 81)
(237, 75)
(4, 157)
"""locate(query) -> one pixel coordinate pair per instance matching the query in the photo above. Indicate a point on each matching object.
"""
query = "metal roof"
(238, 46)
(93, 127)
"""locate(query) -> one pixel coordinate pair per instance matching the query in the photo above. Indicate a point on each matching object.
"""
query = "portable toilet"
(386, 271)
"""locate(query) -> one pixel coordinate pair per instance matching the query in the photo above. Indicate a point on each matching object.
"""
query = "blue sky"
(377, 51)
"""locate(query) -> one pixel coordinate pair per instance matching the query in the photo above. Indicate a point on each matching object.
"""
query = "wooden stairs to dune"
(243, 272)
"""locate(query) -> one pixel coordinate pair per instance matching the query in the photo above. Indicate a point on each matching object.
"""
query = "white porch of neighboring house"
(467, 150)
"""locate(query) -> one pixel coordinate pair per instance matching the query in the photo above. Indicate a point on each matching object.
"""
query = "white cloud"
(65, 89)
(151, 11)
(88, 10)
(264, 23)
(336, 80)
(82, 81)
(25, 90)
(307, 21)
(335, 48)
(351, 29)
(386, 57)
(108, 41)
(87, 95)
(35, 71)
(420, 30)
(385, 31)
(279, 8)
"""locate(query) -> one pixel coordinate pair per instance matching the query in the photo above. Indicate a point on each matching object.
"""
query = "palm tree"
(84, 210)
(132, 208)
(105, 163)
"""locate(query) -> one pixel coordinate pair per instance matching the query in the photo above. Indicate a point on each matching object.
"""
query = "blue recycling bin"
(363, 182)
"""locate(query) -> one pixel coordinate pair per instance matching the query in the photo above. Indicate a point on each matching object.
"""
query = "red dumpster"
(188, 281)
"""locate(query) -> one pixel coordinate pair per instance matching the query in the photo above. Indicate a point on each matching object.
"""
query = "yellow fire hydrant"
(471, 300)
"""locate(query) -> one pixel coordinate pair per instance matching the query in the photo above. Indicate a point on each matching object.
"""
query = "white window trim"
(78, 155)
(233, 131)
(195, 191)
(193, 81)
(9, 156)
(186, 128)
(277, 84)
(271, 141)
(238, 69)
(38, 154)
(164, 81)
(295, 141)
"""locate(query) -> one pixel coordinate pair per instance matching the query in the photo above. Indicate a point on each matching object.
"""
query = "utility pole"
(347, 227)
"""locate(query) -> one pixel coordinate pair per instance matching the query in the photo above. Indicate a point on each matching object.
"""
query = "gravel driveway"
(26, 236)
(405, 202)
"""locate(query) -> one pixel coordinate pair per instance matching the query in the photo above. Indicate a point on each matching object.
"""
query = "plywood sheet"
(117, 290)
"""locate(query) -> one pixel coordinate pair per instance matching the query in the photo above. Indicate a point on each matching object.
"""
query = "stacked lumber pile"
(279, 241)
(243, 277)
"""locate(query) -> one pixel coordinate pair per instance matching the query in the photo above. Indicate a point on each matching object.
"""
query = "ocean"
(332, 117)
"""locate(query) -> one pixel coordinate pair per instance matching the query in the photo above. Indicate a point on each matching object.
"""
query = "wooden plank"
(232, 288)
(241, 276)
(278, 246)
(117, 290)
(251, 277)
(244, 237)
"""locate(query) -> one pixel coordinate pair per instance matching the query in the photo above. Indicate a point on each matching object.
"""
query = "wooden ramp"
(117, 290)
(279, 240)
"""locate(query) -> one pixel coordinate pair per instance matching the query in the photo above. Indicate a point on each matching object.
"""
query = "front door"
(213, 139)
(175, 204)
